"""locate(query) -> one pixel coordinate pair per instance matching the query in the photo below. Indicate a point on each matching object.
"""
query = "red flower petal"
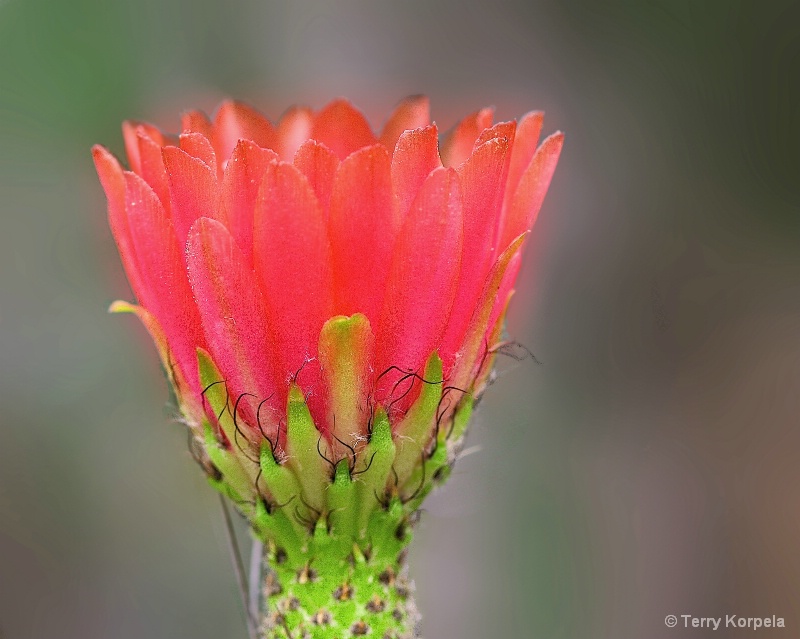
(483, 179)
(237, 121)
(199, 146)
(423, 277)
(504, 292)
(363, 226)
(494, 333)
(111, 178)
(501, 130)
(242, 180)
(459, 143)
(416, 155)
(319, 164)
(151, 167)
(197, 122)
(292, 261)
(233, 311)
(528, 198)
(192, 187)
(167, 294)
(130, 133)
(342, 128)
(525, 141)
(228, 246)
(294, 128)
(411, 113)
(473, 348)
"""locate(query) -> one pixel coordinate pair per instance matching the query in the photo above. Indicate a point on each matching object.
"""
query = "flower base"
(335, 534)
(329, 591)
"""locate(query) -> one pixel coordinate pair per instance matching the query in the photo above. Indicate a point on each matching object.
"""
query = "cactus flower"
(327, 303)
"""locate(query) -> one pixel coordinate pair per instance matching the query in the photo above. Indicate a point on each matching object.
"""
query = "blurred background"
(648, 466)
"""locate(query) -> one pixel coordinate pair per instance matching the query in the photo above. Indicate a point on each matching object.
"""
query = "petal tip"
(102, 154)
(121, 306)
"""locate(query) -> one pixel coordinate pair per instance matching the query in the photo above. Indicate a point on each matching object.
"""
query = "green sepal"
(275, 526)
(373, 470)
(415, 430)
(236, 463)
(215, 392)
(425, 476)
(389, 531)
(226, 489)
(345, 352)
(281, 481)
(282, 484)
(341, 502)
(305, 448)
(234, 481)
(460, 420)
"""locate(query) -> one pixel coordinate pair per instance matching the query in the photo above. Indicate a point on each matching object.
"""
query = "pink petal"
(528, 198)
(494, 333)
(131, 144)
(473, 348)
(233, 312)
(199, 146)
(483, 181)
(240, 185)
(525, 141)
(168, 296)
(363, 227)
(504, 293)
(423, 277)
(319, 165)
(152, 167)
(411, 113)
(416, 155)
(505, 132)
(292, 261)
(501, 130)
(196, 122)
(130, 133)
(113, 182)
(458, 145)
(131, 130)
(294, 128)
(192, 187)
(342, 128)
(237, 121)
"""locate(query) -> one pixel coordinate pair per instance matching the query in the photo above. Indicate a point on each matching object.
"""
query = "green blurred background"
(649, 466)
